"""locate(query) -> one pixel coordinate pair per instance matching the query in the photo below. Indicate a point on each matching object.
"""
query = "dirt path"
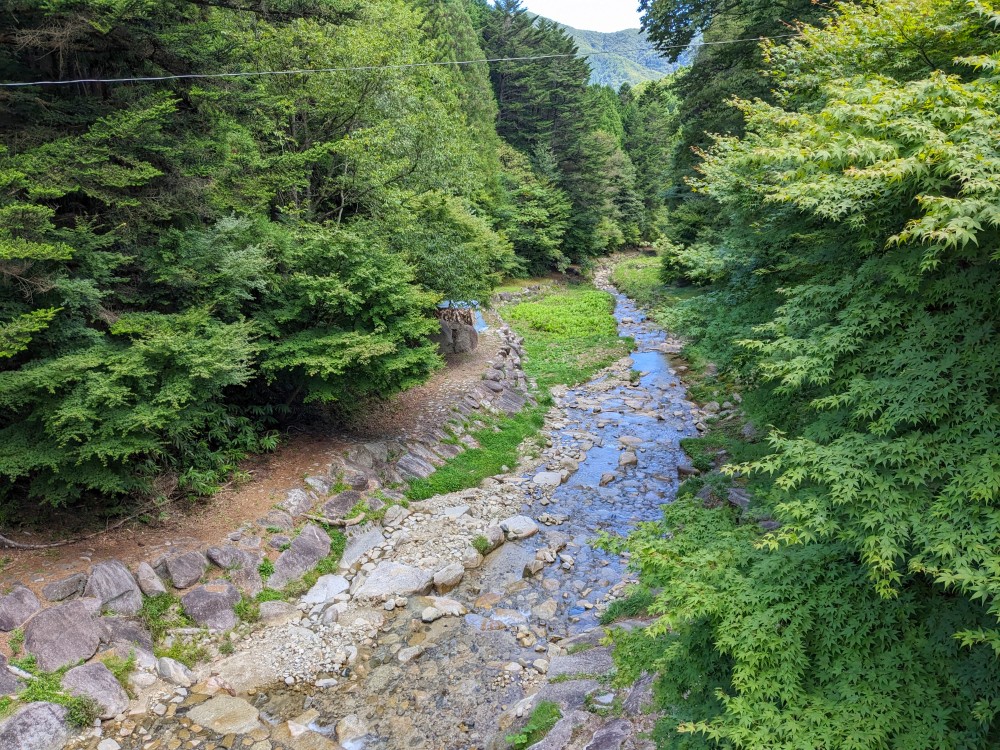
(208, 521)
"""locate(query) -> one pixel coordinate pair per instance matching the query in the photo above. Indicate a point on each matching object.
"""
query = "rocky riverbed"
(420, 641)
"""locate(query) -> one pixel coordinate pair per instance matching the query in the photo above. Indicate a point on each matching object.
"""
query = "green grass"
(496, 450)
(247, 609)
(47, 687)
(481, 545)
(540, 723)
(16, 641)
(639, 278)
(569, 334)
(635, 603)
(162, 612)
(266, 568)
(121, 668)
(186, 652)
(269, 595)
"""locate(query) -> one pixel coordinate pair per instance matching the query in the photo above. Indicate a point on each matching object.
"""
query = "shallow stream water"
(452, 695)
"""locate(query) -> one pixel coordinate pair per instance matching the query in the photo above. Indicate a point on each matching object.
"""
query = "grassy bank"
(569, 334)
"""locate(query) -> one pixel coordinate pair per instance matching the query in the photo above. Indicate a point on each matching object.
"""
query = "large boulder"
(96, 681)
(449, 577)
(211, 605)
(115, 587)
(394, 579)
(37, 726)
(63, 635)
(17, 608)
(308, 548)
(128, 634)
(187, 569)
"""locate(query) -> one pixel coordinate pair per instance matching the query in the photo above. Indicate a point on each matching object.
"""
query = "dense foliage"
(187, 265)
(847, 234)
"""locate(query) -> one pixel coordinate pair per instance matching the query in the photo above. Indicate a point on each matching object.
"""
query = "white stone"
(519, 527)
(325, 589)
(174, 672)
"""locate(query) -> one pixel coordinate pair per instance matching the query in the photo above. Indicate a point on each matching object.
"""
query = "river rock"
(70, 586)
(350, 729)
(174, 672)
(627, 459)
(63, 635)
(505, 567)
(149, 583)
(591, 662)
(611, 736)
(548, 478)
(114, 586)
(325, 589)
(307, 549)
(37, 726)
(274, 614)
(96, 681)
(359, 545)
(519, 527)
(17, 608)
(447, 607)
(225, 714)
(243, 567)
(449, 577)
(187, 569)
(126, 633)
(394, 579)
(495, 536)
(212, 605)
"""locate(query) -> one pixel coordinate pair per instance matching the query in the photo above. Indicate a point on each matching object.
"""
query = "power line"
(361, 68)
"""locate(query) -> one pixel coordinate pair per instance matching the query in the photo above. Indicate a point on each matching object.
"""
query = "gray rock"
(325, 589)
(749, 432)
(115, 587)
(337, 506)
(277, 519)
(225, 714)
(297, 502)
(37, 726)
(505, 567)
(640, 697)
(96, 681)
(548, 478)
(70, 586)
(561, 735)
(449, 577)
(128, 633)
(394, 579)
(414, 467)
(17, 608)
(611, 736)
(243, 567)
(360, 544)
(519, 527)
(279, 613)
(395, 515)
(571, 694)
(9, 684)
(174, 672)
(739, 497)
(211, 605)
(592, 662)
(495, 536)
(320, 485)
(63, 635)
(187, 569)
(149, 583)
(308, 548)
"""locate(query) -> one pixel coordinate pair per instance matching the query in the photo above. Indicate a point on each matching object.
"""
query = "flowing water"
(451, 696)
(451, 684)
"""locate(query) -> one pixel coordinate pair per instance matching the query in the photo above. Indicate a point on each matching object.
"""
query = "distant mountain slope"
(632, 58)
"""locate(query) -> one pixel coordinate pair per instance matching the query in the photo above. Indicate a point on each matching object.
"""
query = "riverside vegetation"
(190, 267)
(831, 255)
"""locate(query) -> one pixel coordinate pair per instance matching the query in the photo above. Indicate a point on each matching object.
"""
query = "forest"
(190, 266)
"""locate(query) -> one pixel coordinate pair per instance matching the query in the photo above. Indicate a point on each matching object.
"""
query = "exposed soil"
(208, 521)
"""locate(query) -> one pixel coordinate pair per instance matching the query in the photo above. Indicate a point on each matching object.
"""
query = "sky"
(591, 15)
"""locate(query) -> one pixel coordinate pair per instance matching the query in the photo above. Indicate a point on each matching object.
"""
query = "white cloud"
(592, 15)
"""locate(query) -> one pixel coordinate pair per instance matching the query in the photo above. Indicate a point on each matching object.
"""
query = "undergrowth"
(540, 723)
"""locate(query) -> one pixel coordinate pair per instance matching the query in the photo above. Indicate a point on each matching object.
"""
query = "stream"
(450, 697)
(460, 682)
